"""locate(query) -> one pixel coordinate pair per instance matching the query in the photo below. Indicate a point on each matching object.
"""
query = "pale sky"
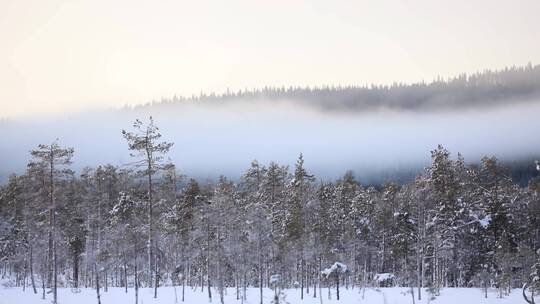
(62, 56)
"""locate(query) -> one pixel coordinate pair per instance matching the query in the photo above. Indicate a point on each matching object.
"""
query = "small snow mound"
(275, 278)
(485, 221)
(338, 267)
(382, 277)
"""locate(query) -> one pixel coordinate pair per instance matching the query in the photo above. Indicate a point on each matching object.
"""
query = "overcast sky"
(62, 56)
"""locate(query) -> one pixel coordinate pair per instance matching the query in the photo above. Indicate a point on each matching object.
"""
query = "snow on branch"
(336, 268)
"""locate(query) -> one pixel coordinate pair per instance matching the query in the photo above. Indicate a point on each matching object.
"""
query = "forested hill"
(380, 132)
(487, 88)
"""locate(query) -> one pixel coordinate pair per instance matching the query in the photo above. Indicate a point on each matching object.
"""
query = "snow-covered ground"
(166, 295)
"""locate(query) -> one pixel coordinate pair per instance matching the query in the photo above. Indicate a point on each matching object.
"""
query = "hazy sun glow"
(59, 56)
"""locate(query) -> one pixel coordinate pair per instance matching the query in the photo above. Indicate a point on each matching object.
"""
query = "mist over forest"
(276, 152)
(379, 132)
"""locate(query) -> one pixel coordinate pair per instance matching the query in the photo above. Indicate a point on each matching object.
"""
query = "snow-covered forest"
(146, 225)
(269, 152)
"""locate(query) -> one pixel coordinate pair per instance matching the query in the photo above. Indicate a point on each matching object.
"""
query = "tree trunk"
(97, 285)
(115, 282)
(320, 288)
(337, 286)
(175, 294)
(260, 271)
(43, 288)
(302, 278)
(136, 284)
(125, 271)
(244, 294)
(219, 271)
(150, 231)
(524, 292)
(76, 270)
(237, 283)
(156, 274)
(25, 272)
(87, 253)
(308, 276)
(209, 288)
(32, 270)
(315, 281)
(183, 285)
(55, 266)
(51, 225)
(485, 287)
(208, 265)
(419, 267)
(50, 249)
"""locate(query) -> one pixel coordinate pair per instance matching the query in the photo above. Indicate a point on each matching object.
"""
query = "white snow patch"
(485, 221)
(338, 267)
(381, 277)
(392, 295)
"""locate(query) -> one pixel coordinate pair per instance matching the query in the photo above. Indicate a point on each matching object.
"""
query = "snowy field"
(167, 296)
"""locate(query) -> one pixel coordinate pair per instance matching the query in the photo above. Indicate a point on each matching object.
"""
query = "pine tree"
(126, 218)
(445, 191)
(258, 214)
(273, 197)
(73, 226)
(52, 160)
(14, 230)
(295, 220)
(499, 198)
(145, 142)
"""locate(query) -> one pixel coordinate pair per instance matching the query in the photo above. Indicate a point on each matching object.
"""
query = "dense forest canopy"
(454, 225)
(487, 88)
